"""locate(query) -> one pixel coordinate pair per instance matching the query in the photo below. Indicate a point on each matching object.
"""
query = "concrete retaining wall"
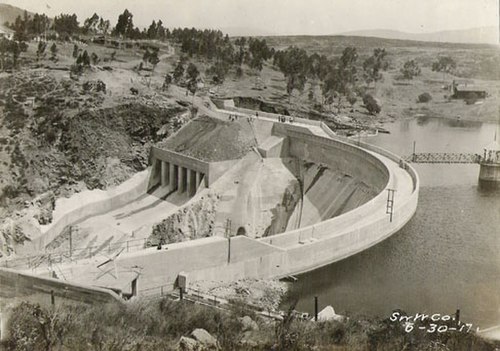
(86, 204)
(16, 284)
(351, 159)
(160, 268)
(275, 147)
(272, 115)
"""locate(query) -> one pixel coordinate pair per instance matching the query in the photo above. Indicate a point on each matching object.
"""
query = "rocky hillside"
(190, 222)
(59, 136)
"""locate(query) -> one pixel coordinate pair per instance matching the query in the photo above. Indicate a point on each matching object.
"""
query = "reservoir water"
(446, 257)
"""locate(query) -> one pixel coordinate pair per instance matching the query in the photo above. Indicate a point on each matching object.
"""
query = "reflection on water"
(446, 257)
(453, 123)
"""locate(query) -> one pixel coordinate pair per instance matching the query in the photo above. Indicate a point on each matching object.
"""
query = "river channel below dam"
(446, 258)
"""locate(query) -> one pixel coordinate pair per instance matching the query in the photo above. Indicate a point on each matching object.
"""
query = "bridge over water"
(489, 172)
(489, 157)
(443, 157)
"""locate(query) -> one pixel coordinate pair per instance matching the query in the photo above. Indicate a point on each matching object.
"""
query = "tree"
(86, 58)
(192, 72)
(178, 71)
(94, 58)
(38, 25)
(239, 72)
(347, 64)
(192, 87)
(103, 26)
(341, 77)
(53, 52)
(66, 25)
(167, 81)
(425, 97)
(75, 51)
(83, 59)
(161, 32)
(125, 25)
(4, 49)
(410, 69)
(152, 31)
(351, 98)
(310, 94)
(294, 64)
(154, 59)
(15, 48)
(371, 104)
(192, 75)
(20, 27)
(40, 51)
(297, 82)
(151, 56)
(91, 23)
(218, 72)
(258, 53)
(444, 64)
(374, 64)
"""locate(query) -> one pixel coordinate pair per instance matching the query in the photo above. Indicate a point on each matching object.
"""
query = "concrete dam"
(262, 197)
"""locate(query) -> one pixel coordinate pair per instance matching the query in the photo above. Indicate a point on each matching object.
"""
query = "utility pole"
(414, 156)
(228, 236)
(315, 308)
(70, 240)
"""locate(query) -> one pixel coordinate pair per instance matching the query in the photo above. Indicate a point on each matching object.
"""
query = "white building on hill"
(6, 33)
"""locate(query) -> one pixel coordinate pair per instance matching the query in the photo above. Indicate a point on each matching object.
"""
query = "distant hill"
(246, 31)
(9, 13)
(482, 35)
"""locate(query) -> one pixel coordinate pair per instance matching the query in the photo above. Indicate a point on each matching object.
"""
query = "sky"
(286, 17)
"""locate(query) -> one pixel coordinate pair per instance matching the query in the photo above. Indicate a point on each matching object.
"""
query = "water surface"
(446, 257)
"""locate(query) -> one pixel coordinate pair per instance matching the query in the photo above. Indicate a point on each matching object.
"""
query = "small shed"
(467, 91)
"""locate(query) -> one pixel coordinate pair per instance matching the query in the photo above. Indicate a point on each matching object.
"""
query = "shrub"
(51, 135)
(410, 69)
(425, 97)
(32, 327)
(9, 191)
(372, 104)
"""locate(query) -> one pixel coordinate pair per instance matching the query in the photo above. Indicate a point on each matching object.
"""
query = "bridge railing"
(444, 157)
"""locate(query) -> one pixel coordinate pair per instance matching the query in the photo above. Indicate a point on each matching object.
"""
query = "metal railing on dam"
(74, 254)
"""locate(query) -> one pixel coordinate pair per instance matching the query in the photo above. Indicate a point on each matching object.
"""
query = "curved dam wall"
(303, 249)
(341, 156)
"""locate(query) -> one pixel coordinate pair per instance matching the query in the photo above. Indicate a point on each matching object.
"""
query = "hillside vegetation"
(168, 325)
